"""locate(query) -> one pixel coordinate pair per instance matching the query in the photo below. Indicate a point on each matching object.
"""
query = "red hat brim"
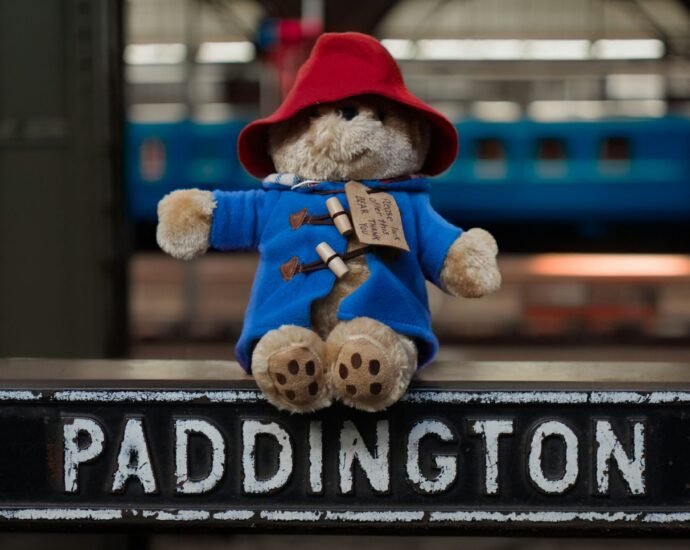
(324, 80)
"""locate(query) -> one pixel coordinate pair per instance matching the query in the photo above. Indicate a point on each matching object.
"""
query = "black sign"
(446, 457)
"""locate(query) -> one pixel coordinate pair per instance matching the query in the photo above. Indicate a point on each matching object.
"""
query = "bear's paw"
(184, 223)
(470, 269)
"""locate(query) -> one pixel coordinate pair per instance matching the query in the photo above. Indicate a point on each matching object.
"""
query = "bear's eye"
(348, 112)
(381, 114)
(313, 113)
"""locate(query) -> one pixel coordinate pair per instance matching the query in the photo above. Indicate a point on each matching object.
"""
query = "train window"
(490, 149)
(490, 159)
(615, 148)
(551, 149)
(614, 155)
(551, 158)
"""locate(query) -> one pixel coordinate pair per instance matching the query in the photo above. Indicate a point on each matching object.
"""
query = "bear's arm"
(462, 263)
(238, 219)
(191, 220)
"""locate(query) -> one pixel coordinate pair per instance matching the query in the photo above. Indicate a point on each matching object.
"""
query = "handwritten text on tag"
(375, 216)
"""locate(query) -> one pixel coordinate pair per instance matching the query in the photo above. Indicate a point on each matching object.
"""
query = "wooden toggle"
(339, 216)
(332, 260)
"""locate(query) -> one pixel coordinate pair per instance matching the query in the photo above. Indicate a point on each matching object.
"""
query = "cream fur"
(384, 140)
(184, 222)
(285, 338)
(396, 350)
(470, 269)
(324, 312)
(381, 140)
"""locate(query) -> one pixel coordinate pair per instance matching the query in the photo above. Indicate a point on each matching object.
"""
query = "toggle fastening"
(332, 260)
(339, 216)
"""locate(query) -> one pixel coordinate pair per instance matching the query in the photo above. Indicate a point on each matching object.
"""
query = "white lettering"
(251, 429)
(491, 430)
(376, 467)
(74, 455)
(609, 447)
(552, 428)
(315, 457)
(183, 429)
(446, 464)
(134, 459)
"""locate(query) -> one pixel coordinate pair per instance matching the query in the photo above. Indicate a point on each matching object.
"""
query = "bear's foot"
(288, 365)
(371, 365)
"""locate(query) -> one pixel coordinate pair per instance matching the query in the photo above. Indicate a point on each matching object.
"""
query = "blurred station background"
(574, 130)
(574, 124)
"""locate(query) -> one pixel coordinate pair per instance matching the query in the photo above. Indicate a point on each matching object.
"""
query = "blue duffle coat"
(395, 292)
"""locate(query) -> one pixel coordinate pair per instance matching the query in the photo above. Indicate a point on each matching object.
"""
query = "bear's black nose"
(348, 112)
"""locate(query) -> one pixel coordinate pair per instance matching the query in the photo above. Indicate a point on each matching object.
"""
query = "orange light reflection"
(610, 265)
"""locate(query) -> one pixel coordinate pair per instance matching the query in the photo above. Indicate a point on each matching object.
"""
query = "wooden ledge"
(193, 374)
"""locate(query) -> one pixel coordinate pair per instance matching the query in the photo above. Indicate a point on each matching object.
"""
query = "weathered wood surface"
(86, 372)
(491, 447)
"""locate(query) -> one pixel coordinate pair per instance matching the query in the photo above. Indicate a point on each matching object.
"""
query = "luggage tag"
(375, 216)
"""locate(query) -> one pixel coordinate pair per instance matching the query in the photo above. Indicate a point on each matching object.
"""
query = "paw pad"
(356, 362)
(297, 375)
(361, 372)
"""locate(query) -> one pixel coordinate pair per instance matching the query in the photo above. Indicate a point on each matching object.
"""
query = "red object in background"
(152, 159)
(288, 47)
(345, 65)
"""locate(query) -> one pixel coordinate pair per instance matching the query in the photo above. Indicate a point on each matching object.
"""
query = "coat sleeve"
(238, 219)
(434, 238)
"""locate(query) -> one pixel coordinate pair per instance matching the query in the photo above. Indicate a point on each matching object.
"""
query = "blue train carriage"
(167, 156)
(608, 170)
(212, 161)
(627, 169)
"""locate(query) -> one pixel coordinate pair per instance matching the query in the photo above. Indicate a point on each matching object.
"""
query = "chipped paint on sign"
(564, 397)
(375, 465)
(75, 454)
(610, 448)
(159, 396)
(234, 515)
(546, 516)
(491, 430)
(496, 397)
(447, 465)
(315, 457)
(20, 395)
(251, 483)
(553, 428)
(176, 515)
(369, 516)
(134, 459)
(61, 514)
(374, 516)
(183, 429)
(481, 455)
(290, 515)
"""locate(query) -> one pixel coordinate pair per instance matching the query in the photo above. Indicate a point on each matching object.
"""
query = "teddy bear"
(345, 232)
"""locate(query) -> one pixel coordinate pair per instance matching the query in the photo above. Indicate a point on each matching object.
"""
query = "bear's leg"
(289, 366)
(371, 365)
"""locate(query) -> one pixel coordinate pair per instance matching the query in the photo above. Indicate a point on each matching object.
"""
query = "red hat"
(343, 65)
